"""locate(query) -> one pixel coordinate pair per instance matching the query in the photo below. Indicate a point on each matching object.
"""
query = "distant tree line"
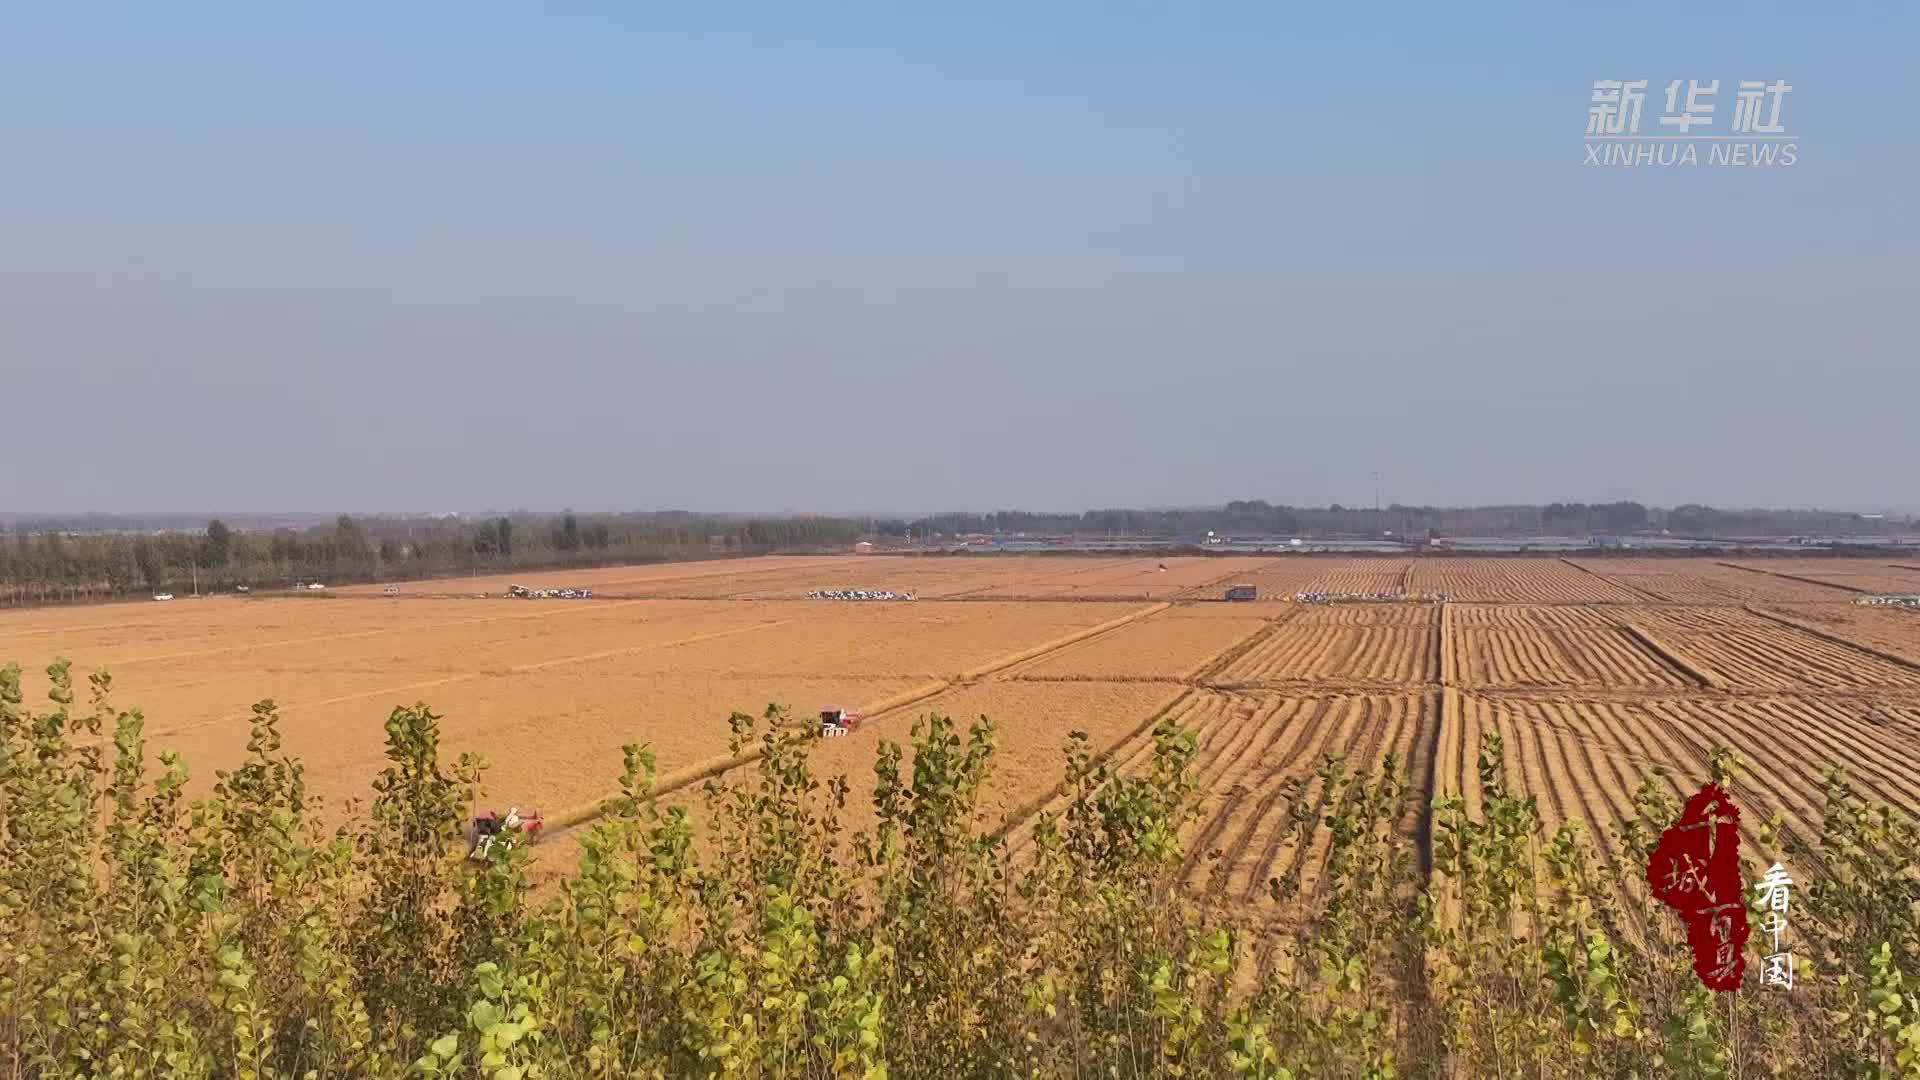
(60, 566)
(1258, 517)
(40, 564)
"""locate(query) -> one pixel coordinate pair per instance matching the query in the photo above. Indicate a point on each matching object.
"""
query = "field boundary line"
(1225, 658)
(1169, 680)
(717, 766)
(1025, 811)
(1791, 577)
(1674, 659)
(1836, 639)
(974, 674)
(1635, 589)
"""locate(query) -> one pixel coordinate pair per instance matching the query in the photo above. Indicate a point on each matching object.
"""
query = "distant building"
(864, 547)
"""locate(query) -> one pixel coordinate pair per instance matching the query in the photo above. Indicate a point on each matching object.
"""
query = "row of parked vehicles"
(858, 594)
(1891, 600)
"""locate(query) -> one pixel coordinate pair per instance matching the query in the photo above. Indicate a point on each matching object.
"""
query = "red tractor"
(837, 722)
(493, 827)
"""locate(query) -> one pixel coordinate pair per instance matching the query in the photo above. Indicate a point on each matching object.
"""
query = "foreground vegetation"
(150, 935)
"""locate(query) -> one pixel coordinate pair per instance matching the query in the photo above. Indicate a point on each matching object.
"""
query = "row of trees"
(1554, 519)
(49, 567)
(246, 931)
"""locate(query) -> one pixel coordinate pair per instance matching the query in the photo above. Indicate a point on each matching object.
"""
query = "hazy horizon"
(996, 256)
(19, 516)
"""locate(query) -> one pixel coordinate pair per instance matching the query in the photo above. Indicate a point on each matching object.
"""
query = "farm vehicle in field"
(494, 829)
(837, 722)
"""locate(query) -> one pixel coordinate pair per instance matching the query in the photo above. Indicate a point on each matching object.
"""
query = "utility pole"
(1376, 491)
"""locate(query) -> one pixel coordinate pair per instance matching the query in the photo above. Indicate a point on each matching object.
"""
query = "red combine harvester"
(493, 827)
(837, 722)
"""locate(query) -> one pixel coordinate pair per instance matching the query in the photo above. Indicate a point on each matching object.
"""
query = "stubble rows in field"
(1584, 758)
(1737, 648)
(1348, 653)
(1848, 575)
(1610, 658)
(1529, 581)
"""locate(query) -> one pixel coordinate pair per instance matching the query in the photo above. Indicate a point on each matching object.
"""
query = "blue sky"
(908, 257)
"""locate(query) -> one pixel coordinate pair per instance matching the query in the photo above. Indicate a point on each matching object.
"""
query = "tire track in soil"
(1232, 654)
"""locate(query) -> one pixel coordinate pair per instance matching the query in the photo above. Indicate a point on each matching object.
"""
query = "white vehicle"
(391, 590)
(163, 596)
(316, 586)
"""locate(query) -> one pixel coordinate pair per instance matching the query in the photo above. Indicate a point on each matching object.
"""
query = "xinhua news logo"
(1686, 136)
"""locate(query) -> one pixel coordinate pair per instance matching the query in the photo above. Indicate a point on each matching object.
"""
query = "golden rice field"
(1594, 670)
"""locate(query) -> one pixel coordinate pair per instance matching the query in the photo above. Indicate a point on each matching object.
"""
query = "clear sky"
(842, 256)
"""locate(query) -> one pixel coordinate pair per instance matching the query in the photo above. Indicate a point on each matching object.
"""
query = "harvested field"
(1609, 658)
(1844, 575)
(1413, 616)
(1034, 721)
(1158, 648)
(1741, 648)
(1584, 757)
(1304, 652)
(1251, 744)
(1280, 577)
(1530, 617)
(1884, 629)
(1362, 575)
(1535, 581)
(1593, 670)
